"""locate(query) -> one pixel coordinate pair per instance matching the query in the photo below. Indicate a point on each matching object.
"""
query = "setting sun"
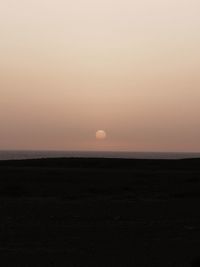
(100, 135)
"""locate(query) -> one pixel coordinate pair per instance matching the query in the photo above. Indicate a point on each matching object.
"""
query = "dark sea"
(30, 154)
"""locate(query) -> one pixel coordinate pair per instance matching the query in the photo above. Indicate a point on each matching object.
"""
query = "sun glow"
(100, 135)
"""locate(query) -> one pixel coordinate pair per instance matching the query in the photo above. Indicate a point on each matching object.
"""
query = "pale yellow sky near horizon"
(69, 68)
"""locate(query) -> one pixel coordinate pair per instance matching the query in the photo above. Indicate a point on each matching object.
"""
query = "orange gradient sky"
(70, 68)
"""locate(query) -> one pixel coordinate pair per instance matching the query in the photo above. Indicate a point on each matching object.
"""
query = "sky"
(70, 68)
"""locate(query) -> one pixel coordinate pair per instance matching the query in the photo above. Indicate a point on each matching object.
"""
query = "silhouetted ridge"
(184, 164)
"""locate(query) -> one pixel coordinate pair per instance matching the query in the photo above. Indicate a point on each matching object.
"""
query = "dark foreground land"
(100, 212)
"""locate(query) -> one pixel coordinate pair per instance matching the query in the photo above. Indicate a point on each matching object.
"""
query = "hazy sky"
(71, 67)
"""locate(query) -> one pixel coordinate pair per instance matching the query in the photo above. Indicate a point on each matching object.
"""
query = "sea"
(31, 154)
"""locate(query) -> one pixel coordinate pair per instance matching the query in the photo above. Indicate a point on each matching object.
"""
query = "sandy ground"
(75, 212)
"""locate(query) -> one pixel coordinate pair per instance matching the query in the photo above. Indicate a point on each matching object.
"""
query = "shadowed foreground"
(100, 212)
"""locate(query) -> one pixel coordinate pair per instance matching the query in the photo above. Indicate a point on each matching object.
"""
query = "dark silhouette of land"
(100, 212)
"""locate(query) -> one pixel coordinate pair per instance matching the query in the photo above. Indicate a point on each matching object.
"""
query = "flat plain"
(100, 212)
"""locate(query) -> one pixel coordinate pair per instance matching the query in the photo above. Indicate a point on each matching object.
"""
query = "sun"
(101, 135)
